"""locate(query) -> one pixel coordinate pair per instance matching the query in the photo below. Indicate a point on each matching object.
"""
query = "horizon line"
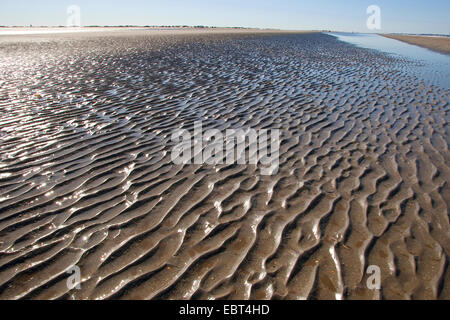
(207, 27)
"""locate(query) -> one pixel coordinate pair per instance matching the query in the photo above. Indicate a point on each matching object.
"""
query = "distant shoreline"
(436, 43)
(16, 31)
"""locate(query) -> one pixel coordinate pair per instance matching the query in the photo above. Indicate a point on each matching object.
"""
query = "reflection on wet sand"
(86, 176)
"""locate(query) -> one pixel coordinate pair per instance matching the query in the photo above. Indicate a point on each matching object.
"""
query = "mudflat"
(87, 180)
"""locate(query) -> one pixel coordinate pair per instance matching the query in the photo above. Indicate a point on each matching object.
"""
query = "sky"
(403, 16)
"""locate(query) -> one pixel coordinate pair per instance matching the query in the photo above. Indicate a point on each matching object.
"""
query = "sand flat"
(439, 44)
(86, 176)
(19, 34)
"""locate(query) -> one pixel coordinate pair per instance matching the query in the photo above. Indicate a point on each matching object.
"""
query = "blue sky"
(413, 16)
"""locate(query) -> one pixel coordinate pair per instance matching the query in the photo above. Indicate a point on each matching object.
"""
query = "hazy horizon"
(349, 16)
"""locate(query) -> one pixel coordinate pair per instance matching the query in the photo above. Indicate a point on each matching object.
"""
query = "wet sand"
(16, 34)
(86, 176)
(439, 44)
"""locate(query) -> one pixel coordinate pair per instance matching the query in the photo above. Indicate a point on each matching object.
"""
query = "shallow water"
(86, 176)
(432, 66)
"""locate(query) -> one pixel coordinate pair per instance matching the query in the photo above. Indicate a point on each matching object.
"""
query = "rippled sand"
(86, 176)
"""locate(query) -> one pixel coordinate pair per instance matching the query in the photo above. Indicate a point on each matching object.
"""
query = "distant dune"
(436, 43)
